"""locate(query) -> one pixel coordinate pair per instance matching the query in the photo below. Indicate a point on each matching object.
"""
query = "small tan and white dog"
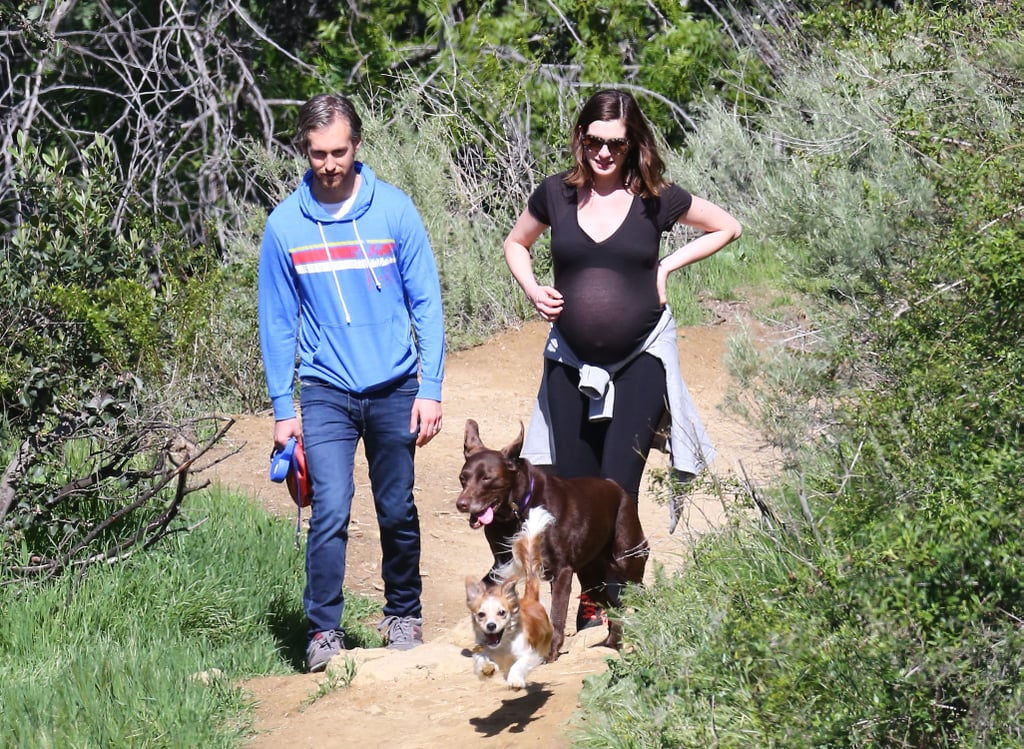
(513, 633)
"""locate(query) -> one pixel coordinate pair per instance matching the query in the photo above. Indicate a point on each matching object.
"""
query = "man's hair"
(643, 168)
(321, 111)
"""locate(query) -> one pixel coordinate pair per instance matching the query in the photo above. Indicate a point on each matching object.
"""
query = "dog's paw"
(516, 676)
(484, 667)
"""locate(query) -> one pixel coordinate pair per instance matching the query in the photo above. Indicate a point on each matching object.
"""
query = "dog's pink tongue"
(486, 516)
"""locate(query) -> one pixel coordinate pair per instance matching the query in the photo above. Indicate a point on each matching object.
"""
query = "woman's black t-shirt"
(610, 287)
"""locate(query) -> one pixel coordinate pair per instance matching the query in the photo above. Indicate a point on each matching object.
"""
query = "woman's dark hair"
(643, 167)
(321, 111)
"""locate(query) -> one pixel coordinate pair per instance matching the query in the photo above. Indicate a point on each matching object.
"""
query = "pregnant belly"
(605, 318)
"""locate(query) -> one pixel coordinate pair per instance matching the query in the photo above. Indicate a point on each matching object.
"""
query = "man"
(347, 275)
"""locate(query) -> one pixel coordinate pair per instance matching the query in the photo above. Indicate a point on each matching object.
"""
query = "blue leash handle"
(281, 461)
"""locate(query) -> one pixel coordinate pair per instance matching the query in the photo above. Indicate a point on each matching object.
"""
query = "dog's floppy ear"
(511, 451)
(472, 441)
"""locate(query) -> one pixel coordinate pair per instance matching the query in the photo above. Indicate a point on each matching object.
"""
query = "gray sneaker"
(323, 647)
(403, 632)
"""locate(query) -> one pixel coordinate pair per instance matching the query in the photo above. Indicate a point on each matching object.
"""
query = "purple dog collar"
(521, 506)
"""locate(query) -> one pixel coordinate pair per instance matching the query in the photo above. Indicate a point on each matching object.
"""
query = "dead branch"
(172, 92)
(143, 501)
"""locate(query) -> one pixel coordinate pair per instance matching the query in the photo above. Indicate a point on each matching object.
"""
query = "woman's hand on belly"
(548, 302)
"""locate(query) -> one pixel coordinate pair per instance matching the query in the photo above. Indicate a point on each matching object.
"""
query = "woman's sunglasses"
(617, 146)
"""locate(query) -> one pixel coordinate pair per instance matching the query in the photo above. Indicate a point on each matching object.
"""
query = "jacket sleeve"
(422, 290)
(278, 322)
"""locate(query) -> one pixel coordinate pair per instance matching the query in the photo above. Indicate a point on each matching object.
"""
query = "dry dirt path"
(428, 697)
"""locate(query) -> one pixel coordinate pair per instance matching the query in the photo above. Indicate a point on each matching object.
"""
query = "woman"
(611, 368)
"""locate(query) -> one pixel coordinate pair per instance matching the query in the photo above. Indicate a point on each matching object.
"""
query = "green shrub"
(878, 602)
(87, 305)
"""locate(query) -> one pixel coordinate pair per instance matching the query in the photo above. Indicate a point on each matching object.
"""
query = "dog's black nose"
(491, 626)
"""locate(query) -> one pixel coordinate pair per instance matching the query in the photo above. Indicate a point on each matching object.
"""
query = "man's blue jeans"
(333, 422)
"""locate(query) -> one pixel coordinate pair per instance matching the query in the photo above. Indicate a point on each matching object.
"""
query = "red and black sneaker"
(589, 614)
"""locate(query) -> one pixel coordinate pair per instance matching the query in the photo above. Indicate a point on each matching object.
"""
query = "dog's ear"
(474, 589)
(472, 441)
(511, 451)
(508, 589)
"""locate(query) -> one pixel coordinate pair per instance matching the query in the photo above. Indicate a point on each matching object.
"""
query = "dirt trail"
(429, 697)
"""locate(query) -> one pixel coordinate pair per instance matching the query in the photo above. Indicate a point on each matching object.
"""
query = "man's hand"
(426, 415)
(284, 429)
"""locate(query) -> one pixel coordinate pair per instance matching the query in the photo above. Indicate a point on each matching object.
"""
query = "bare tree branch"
(178, 96)
(141, 470)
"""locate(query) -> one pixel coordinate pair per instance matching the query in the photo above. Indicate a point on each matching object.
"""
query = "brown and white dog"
(596, 533)
(512, 633)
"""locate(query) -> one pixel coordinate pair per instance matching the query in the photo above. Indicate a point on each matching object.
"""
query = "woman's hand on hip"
(662, 284)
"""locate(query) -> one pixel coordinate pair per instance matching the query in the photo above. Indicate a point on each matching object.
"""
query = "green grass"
(151, 652)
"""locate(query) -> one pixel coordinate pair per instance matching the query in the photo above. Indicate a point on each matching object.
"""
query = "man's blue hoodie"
(361, 285)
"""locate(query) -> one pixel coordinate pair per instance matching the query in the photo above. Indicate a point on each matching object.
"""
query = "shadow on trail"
(515, 713)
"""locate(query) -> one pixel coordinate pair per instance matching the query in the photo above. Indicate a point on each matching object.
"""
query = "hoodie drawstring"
(334, 273)
(366, 257)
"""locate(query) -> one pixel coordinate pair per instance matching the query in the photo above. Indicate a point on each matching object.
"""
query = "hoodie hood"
(313, 210)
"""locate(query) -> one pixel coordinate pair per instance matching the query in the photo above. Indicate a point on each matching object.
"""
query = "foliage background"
(878, 601)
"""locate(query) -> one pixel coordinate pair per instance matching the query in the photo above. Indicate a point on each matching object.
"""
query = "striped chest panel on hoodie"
(345, 255)
(341, 256)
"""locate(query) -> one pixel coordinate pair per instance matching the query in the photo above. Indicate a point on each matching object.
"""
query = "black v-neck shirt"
(609, 287)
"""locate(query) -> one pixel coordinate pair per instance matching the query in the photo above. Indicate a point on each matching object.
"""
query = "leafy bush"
(879, 601)
(87, 303)
(100, 323)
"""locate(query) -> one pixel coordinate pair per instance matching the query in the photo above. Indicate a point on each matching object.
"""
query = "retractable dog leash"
(288, 464)
(281, 461)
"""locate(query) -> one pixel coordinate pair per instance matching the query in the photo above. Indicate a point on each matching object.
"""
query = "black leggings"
(617, 448)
